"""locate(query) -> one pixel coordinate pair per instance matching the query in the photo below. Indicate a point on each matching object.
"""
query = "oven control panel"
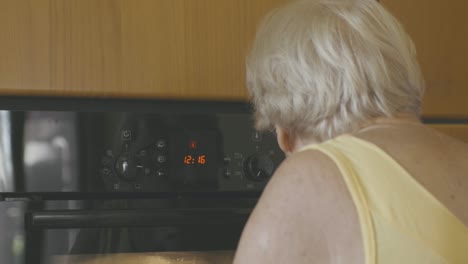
(180, 152)
(94, 146)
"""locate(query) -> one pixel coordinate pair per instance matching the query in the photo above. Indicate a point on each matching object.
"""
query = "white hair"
(320, 68)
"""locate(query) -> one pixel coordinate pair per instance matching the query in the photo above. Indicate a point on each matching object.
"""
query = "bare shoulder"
(305, 215)
(436, 160)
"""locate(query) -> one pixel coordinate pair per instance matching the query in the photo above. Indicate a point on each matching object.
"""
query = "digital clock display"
(194, 156)
(189, 159)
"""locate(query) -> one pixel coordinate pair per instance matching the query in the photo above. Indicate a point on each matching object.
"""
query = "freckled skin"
(306, 214)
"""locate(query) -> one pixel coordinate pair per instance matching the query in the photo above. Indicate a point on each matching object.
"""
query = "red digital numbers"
(201, 159)
(189, 159)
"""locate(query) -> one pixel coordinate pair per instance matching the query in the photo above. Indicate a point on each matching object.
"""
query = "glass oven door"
(180, 230)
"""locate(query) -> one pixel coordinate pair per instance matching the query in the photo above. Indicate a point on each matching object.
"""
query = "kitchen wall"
(193, 49)
(439, 31)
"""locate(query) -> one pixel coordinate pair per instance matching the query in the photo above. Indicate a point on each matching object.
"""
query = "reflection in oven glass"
(213, 257)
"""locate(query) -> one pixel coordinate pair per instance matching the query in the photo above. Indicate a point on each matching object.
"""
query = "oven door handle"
(66, 219)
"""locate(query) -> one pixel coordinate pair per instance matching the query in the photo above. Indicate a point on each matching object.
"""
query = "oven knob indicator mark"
(125, 147)
(256, 136)
(227, 173)
(126, 135)
(258, 167)
(106, 171)
(125, 168)
(161, 173)
(140, 170)
(227, 161)
(160, 144)
(161, 159)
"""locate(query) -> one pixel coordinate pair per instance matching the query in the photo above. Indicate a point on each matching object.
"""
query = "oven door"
(116, 231)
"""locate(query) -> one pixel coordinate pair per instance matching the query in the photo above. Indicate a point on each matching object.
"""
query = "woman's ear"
(285, 140)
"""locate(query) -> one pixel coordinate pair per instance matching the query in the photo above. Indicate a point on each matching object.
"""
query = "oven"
(128, 181)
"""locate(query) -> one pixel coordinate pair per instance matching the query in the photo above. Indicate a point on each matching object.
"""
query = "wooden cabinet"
(137, 48)
(440, 32)
(191, 49)
(458, 131)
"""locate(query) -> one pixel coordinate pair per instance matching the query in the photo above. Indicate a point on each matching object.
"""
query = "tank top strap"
(398, 216)
(358, 196)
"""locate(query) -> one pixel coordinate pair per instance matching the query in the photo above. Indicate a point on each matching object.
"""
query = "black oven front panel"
(95, 176)
(141, 146)
(151, 152)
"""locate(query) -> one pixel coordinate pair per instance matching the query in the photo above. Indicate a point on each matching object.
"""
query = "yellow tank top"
(401, 221)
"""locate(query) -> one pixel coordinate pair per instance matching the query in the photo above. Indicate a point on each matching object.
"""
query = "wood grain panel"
(85, 41)
(141, 48)
(24, 44)
(153, 43)
(439, 31)
(457, 131)
(189, 49)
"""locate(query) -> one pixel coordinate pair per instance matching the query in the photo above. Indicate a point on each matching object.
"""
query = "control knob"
(125, 168)
(258, 167)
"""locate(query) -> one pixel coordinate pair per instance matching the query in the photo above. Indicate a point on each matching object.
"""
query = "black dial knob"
(258, 167)
(125, 168)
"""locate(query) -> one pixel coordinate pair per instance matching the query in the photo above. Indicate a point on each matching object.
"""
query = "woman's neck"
(375, 123)
(397, 120)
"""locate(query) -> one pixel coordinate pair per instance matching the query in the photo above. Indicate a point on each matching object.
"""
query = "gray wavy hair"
(320, 68)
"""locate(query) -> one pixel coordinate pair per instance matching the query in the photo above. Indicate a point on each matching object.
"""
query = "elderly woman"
(364, 181)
